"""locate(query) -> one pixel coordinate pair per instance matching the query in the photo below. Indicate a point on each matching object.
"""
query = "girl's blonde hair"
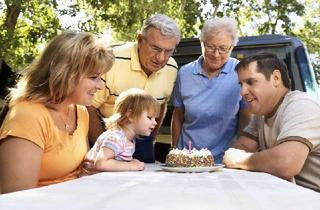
(54, 75)
(135, 101)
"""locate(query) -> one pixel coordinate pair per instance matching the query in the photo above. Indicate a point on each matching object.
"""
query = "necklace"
(60, 117)
(65, 122)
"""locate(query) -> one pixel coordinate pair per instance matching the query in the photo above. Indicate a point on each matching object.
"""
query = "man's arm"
(284, 160)
(162, 114)
(244, 118)
(96, 126)
(176, 125)
(245, 143)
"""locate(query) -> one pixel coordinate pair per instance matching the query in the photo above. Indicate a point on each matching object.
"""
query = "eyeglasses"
(158, 50)
(220, 49)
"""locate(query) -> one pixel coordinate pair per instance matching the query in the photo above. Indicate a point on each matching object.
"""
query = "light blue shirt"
(211, 106)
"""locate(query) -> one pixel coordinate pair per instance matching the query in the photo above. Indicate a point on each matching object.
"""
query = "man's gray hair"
(165, 24)
(217, 25)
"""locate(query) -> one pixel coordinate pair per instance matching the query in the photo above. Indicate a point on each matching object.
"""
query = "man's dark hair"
(266, 64)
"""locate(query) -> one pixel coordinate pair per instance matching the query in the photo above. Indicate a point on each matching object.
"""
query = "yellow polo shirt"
(127, 73)
(62, 152)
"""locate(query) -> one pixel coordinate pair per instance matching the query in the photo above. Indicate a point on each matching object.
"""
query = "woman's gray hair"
(165, 24)
(217, 25)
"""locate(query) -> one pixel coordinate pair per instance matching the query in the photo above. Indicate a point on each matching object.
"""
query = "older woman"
(43, 138)
(206, 95)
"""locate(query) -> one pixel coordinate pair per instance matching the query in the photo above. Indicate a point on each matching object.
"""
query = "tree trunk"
(182, 6)
(9, 26)
(12, 15)
(215, 5)
(1, 65)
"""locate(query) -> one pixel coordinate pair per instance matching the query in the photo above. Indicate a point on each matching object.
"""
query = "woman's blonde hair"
(134, 101)
(54, 75)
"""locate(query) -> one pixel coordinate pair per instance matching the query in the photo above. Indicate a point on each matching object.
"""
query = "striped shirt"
(115, 139)
(127, 73)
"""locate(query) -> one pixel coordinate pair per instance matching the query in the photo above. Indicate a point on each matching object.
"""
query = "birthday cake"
(189, 158)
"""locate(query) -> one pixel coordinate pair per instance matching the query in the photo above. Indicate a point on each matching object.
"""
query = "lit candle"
(189, 146)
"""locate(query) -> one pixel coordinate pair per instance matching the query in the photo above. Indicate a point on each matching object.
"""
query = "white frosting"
(194, 152)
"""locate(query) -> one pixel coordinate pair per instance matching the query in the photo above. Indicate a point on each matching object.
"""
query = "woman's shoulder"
(28, 104)
(28, 120)
(233, 62)
(230, 65)
(193, 64)
(26, 111)
(190, 67)
(29, 108)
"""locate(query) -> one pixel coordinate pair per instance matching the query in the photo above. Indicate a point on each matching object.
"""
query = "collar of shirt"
(275, 109)
(198, 68)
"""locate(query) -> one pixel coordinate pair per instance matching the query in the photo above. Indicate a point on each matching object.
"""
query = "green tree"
(126, 17)
(309, 32)
(262, 16)
(24, 25)
(278, 13)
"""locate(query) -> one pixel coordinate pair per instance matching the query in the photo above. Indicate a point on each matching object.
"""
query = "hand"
(136, 165)
(88, 168)
(135, 160)
(235, 158)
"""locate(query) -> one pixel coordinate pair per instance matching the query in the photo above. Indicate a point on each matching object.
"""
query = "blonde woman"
(43, 138)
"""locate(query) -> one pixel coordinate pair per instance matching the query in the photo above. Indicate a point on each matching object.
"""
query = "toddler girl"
(135, 114)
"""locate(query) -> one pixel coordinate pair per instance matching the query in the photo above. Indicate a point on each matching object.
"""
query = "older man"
(283, 137)
(146, 64)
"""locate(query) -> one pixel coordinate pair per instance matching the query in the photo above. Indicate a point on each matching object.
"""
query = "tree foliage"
(126, 17)
(24, 25)
(309, 32)
(262, 16)
(277, 13)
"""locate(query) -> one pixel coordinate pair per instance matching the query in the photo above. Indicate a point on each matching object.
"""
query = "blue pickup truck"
(290, 49)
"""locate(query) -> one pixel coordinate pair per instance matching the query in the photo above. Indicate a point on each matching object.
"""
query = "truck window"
(307, 73)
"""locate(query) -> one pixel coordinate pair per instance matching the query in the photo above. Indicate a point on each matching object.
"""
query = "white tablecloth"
(155, 189)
